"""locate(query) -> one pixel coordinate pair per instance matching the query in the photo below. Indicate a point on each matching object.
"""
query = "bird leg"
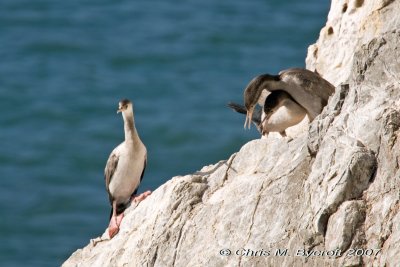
(263, 126)
(140, 197)
(115, 221)
(283, 133)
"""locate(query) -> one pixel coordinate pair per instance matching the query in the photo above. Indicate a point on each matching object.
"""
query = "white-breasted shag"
(124, 169)
(306, 88)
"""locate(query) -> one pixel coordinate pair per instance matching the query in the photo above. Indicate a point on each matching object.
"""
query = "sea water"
(64, 65)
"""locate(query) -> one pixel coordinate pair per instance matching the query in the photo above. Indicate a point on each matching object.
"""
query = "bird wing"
(290, 70)
(310, 81)
(141, 176)
(144, 168)
(111, 166)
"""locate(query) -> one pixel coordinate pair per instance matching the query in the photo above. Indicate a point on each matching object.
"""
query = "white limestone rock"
(342, 225)
(335, 186)
(350, 24)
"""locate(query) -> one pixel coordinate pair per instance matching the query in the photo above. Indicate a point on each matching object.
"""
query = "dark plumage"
(280, 112)
(307, 88)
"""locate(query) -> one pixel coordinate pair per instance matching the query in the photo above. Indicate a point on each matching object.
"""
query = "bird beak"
(266, 117)
(119, 110)
(249, 116)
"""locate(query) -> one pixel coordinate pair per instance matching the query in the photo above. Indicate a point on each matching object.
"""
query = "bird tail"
(237, 107)
(256, 118)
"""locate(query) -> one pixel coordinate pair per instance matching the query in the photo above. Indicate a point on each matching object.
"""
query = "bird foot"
(283, 133)
(141, 197)
(264, 129)
(264, 133)
(115, 222)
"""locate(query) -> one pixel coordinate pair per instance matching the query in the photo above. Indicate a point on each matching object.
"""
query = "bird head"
(124, 105)
(273, 102)
(253, 93)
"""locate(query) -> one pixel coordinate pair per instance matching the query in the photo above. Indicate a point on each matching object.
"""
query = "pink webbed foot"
(115, 222)
(141, 197)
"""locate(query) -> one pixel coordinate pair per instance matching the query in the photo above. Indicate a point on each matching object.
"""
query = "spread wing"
(111, 166)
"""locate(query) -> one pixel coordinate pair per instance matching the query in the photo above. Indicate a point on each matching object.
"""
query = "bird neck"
(273, 85)
(261, 86)
(263, 95)
(131, 135)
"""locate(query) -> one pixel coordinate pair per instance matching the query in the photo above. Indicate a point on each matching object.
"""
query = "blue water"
(64, 65)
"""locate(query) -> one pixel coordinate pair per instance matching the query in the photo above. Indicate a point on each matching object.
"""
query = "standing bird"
(307, 88)
(281, 111)
(124, 169)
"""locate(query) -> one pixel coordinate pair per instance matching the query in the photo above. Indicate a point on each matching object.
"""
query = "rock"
(328, 197)
(318, 129)
(351, 24)
(343, 172)
(343, 223)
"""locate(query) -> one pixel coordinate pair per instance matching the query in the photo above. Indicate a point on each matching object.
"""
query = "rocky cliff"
(328, 197)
